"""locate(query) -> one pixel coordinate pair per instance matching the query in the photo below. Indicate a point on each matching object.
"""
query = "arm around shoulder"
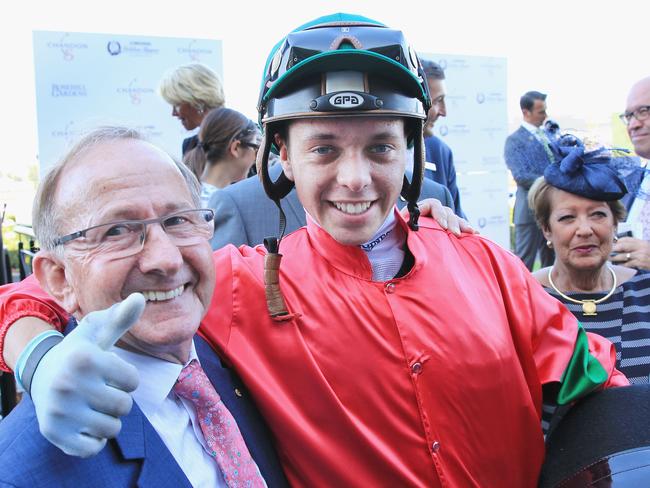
(25, 311)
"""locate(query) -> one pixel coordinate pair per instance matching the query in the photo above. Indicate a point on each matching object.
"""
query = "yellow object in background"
(619, 134)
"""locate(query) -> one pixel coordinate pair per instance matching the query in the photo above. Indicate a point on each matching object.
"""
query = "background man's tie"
(541, 135)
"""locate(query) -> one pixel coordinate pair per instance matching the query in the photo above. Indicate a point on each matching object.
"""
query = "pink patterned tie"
(219, 428)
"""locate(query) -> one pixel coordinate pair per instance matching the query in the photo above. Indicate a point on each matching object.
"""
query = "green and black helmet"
(343, 65)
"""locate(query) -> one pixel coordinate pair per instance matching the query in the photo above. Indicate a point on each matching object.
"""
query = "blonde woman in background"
(192, 90)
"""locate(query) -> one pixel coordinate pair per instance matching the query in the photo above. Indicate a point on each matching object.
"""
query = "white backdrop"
(85, 80)
(475, 129)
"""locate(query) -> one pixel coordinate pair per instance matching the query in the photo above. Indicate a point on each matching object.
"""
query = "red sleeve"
(216, 324)
(561, 350)
(551, 345)
(604, 351)
(27, 299)
(564, 352)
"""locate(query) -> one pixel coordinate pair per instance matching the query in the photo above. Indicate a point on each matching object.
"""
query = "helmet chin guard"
(411, 190)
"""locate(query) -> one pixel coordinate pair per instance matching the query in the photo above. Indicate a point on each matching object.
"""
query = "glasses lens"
(122, 239)
(117, 239)
(624, 118)
(189, 227)
(642, 113)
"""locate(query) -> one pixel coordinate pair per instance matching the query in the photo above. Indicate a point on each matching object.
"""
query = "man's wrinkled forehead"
(111, 159)
(112, 166)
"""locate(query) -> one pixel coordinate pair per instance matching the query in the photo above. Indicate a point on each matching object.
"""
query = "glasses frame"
(626, 117)
(60, 241)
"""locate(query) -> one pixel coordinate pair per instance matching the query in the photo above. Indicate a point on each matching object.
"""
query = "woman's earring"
(615, 238)
(549, 244)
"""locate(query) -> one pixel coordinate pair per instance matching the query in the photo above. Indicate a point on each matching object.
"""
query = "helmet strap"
(275, 191)
(280, 188)
(275, 303)
(411, 190)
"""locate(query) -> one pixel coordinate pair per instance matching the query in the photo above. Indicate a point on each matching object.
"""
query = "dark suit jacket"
(137, 456)
(526, 158)
(245, 215)
(439, 153)
(190, 143)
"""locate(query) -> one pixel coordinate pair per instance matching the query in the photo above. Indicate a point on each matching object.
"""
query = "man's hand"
(632, 252)
(446, 218)
(80, 389)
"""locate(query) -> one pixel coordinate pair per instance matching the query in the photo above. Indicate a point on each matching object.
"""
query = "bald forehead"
(111, 159)
(117, 153)
(106, 170)
(639, 93)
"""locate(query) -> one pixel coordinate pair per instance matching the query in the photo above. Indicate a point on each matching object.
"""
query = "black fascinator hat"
(589, 174)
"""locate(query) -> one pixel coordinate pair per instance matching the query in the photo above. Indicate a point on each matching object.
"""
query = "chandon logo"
(346, 100)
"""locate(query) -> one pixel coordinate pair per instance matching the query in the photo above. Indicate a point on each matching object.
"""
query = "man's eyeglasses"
(639, 114)
(126, 238)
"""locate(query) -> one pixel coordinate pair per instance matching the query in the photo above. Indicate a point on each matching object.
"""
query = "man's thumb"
(105, 327)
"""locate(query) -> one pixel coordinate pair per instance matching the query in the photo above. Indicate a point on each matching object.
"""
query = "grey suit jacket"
(245, 215)
(526, 159)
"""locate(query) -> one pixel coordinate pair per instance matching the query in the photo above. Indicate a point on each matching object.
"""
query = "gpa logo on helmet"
(346, 100)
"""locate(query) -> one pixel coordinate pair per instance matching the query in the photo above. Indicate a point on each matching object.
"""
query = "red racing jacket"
(432, 379)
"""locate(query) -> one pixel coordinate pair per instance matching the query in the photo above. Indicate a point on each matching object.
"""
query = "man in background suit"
(244, 214)
(527, 153)
(146, 246)
(634, 252)
(439, 165)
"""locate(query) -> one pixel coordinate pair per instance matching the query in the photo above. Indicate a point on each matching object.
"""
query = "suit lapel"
(139, 442)
(224, 383)
(251, 425)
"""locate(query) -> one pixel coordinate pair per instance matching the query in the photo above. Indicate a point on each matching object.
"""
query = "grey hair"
(46, 216)
(195, 84)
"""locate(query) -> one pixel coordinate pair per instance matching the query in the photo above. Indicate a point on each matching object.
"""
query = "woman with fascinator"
(576, 204)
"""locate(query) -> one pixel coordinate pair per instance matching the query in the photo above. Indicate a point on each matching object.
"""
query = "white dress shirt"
(173, 418)
(533, 130)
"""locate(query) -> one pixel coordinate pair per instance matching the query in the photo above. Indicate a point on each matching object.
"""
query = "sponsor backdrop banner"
(475, 129)
(86, 80)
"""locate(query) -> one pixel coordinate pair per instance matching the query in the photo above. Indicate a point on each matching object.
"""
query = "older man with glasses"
(145, 244)
(634, 251)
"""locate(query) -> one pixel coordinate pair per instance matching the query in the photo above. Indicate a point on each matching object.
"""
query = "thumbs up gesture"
(80, 389)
